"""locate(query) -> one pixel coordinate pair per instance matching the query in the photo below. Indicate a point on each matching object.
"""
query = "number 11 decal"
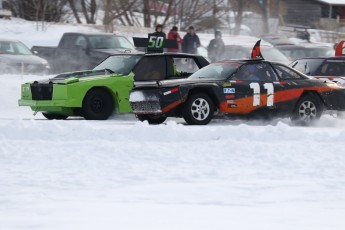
(256, 93)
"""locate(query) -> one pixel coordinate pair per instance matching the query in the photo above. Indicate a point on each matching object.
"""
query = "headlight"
(25, 91)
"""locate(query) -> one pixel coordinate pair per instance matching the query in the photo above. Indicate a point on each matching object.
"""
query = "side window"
(6, 48)
(185, 65)
(286, 73)
(150, 69)
(68, 41)
(81, 42)
(256, 72)
(332, 69)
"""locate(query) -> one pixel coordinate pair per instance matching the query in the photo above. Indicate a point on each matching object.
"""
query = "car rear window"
(307, 66)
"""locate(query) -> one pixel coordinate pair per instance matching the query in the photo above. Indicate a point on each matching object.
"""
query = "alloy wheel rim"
(307, 111)
(200, 109)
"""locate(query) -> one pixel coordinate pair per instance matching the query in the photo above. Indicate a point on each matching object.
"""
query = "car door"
(251, 89)
(289, 87)
(181, 66)
(151, 68)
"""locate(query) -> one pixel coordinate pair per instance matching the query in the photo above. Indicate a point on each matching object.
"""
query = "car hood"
(115, 51)
(27, 59)
(72, 77)
(186, 81)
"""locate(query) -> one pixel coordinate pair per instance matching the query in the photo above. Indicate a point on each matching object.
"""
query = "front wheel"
(52, 116)
(97, 105)
(152, 119)
(198, 109)
(308, 109)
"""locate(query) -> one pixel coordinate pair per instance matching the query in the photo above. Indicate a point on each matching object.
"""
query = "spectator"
(190, 41)
(216, 47)
(174, 35)
(159, 31)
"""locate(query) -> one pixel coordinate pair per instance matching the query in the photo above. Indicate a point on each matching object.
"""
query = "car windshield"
(14, 47)
(121, 64)
(110, 42)
(219, 71)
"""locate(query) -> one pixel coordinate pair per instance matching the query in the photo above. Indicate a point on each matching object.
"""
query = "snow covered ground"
(125, 174)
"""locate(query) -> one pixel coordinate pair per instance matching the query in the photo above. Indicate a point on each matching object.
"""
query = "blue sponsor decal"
(229, 90)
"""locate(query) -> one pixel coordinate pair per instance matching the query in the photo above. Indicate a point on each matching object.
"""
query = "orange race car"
(250, 87)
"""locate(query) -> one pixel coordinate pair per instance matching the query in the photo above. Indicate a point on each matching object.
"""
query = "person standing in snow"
(216, 47)
(190, 41)
(159, 31)
(174, 35)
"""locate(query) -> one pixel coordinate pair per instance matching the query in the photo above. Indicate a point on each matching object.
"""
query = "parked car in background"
(95, 94)
(324, 68)
(269, 52)
(81, 51)
(294, 52)
(15, 57)
(276, 39)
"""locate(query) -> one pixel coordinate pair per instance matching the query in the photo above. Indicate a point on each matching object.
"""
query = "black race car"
(324, 68)
(251, 87)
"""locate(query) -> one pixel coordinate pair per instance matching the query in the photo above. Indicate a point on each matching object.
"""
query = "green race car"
(96, 94)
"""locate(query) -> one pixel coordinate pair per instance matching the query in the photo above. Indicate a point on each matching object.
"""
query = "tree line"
(204, 14)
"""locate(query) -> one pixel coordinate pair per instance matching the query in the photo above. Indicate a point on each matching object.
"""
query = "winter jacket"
(177, 37)
(190, 43)
(215, 49)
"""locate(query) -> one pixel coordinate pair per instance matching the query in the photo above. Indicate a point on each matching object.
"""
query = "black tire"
(52, 116)
(97, 105)
(152, 119)
(198, 109)
(308, 110)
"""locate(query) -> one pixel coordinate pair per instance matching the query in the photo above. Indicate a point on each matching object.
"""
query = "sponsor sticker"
(232, 105)
(230, 96)
(227, 84)
(229, 90)
(230, 101)
(170, 91)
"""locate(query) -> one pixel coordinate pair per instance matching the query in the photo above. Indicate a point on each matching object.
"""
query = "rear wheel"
(152, 119)
(97, 105)
(198, 110)
(52, 116)
(308, 109)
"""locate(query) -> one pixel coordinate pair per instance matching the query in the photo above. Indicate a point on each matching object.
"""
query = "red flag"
(340, 50)
(256, 52)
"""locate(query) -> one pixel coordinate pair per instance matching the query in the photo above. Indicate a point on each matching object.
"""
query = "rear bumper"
(145, 102)
(155, 101)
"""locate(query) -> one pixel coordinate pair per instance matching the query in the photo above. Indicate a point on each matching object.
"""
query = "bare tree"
(146, 13)
(46, 10)
(264, 7)
(204, 14)
(89, 7)
(238, 7)
(118, 9)
(74, 10)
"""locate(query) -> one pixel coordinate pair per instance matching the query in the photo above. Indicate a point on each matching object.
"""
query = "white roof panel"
(333, 2)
